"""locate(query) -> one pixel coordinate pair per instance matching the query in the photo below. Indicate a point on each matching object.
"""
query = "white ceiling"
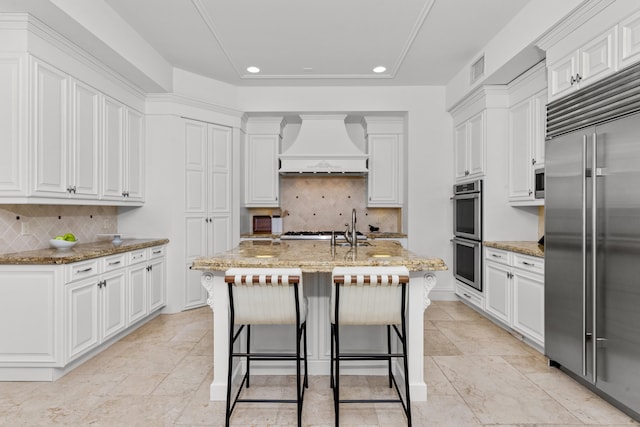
(294, 42)
(311, 42)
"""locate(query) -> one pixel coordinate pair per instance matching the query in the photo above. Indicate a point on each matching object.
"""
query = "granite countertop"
(316, 256)
(522, 247)
(79, 252)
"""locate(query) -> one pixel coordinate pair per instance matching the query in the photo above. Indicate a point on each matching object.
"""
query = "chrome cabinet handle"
(114, 263)
(496, 256)
(85, 270)
(529, 264)
(467, 295)
(157, 252)
(533, 161)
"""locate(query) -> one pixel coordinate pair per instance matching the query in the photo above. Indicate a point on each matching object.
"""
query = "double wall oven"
(467, 233)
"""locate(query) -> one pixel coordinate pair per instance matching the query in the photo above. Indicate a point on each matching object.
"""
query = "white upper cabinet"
(13, 119)
(63, 139)
(629, 40)
(527, 122)
(122, 153)
(594, 41)
(590, 62)
(50, 130)
(85, 141)
(262, 179)
(469, 140)
(385, 180)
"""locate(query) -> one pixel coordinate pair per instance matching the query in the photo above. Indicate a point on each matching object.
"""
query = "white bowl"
(62, 244)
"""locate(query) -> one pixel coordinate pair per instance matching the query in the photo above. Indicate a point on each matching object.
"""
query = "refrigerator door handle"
(584, 255)
(594, 256)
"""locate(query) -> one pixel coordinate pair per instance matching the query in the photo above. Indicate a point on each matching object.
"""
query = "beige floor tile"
(497, 393)
(160, 375)
(580, 401)
(438, 344)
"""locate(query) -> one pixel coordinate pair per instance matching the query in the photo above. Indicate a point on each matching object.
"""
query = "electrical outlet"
(25, 230)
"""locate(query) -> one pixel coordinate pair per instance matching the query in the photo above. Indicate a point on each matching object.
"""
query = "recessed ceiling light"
(253, 70)
(380, 69)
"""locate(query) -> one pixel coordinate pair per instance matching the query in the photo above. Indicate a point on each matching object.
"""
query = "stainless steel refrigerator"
(592, 237)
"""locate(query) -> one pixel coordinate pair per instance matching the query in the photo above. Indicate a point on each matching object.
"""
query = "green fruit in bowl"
(59, 238)
(69, 237)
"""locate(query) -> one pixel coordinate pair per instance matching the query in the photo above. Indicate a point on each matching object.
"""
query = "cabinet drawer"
(80, 270)
(114, 262)
(137, 256)
(156, 252)
(472, 297)
(498, 255)
(529, 263)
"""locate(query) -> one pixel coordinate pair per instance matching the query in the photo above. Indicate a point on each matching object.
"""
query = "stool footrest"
(365, 356)
(370, 401)
(253, 356)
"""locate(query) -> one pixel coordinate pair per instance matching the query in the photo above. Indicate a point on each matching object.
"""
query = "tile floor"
(476, 373)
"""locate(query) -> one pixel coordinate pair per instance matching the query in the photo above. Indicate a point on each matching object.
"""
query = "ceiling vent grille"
(477, 69)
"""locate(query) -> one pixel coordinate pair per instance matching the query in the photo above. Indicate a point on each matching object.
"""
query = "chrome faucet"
(350, 235)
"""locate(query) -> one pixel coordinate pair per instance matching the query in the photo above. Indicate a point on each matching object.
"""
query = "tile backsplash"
(43, 222)
(325, 203)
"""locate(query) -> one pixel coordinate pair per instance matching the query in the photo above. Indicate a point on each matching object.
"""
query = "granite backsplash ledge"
(29, 227)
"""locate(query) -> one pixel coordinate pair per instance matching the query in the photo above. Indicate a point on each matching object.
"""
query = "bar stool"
(369, 296)
(266, 296)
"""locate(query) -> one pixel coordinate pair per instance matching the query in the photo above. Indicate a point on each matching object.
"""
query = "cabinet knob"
(533, 161)
(530, 192)
(578, 77)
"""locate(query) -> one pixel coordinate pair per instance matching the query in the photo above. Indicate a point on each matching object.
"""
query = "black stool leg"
(404, 358)
(248, 352)
(389, 352)
(336, 389)
(306, 371)
(230, 365)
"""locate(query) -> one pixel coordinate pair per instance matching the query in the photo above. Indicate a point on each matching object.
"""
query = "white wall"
(429, 149)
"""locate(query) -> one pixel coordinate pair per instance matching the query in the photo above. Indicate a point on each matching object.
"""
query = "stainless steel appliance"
(592, 237)
(467, 262)
(538, 182)
(467, 210)
(467, 231)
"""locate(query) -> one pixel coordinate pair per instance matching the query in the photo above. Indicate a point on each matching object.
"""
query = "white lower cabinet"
(514, 292)
(68, 311)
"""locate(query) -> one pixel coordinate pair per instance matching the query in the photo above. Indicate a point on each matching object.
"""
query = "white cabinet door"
(476, 145)
(134, 157)
(520, 139)
(112, 295)
(539, 128)
(460, 141)
(113, 149)
(12, 126)
(598, 58)
(220, 150)
(157, 294)
(497, 288)
(49, 131)
(262, 170)
(83, 310)
(629, 40)
(137, 293)
(384, 176)
(85, 141)
(195, 295)
(562, 76)
(528, 305)
(196, 167)
(469, 147)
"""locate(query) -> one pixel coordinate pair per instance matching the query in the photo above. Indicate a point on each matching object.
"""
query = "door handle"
(594, 254)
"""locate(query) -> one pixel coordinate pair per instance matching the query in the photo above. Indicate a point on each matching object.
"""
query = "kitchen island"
(317, 259)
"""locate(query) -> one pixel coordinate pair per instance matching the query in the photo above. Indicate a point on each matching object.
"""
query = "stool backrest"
(369, 299)
(266, 299)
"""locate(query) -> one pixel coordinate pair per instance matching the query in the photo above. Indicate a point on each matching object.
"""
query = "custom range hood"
(323, 146)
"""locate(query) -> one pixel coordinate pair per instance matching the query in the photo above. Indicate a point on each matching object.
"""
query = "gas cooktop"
(316, 235)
